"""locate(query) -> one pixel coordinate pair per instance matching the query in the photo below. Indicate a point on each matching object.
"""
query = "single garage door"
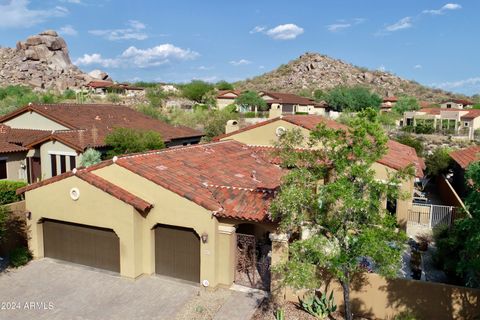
(87, 245)
(177, 253)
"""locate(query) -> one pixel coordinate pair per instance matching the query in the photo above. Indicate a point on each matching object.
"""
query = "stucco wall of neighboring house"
(264, 135)
(15, 160)
(172, 209)
(94, 208)
(58, 148)
(222, 103)
(476, 123)
(33, 120)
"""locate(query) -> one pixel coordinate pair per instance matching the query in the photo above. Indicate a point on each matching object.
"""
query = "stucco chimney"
(232, 125)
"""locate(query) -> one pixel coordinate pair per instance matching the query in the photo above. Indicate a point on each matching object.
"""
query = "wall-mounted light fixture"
(204, 237)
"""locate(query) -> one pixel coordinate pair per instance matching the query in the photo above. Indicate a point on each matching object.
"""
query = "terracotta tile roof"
(472, 114)
(221, 93)
(460, 101)
(390, 99)
(226, 177)
(466, 156)
(398, 156)
(100, 84)
(14, 140)
(287, 98)
(98, 182)
(96, 121)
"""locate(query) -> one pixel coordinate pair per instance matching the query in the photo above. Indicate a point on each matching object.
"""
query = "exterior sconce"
(204, 237)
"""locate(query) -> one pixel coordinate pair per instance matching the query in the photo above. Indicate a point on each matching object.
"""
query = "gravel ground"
(204, 305)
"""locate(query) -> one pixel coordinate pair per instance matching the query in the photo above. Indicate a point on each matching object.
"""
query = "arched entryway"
(252, 260)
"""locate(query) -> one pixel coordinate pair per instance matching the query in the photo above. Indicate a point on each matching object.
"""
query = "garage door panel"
(177, 253)
(87, 245)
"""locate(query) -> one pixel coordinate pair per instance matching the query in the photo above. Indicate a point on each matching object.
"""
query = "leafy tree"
(126, 140)
(252, 101)
(406, 103)
(4, 214)
(224, 85)
(476, 106)
(69, 94)
(319, 95)
(156, 96)
(352, 99)
(409, 140)
(333, 193)
(438, 162)
(307, 93)
(113, 97)
(196, 90)
(458, 249)
(90, 157)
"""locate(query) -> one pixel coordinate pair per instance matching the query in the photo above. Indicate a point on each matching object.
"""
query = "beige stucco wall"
(94, 208)
(33, 120)
(15, 171)
(222, 103)
(56, 147)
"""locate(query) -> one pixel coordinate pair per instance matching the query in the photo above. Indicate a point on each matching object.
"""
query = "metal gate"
(430, 216)
(252, 263)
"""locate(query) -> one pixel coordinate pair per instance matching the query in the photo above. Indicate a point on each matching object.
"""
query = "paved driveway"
(45, 289)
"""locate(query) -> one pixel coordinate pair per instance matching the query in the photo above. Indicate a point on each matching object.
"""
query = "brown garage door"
(177, 253)
(87, 245)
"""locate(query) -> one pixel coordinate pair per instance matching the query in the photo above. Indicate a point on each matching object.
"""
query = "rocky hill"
(313, 71)
(42, 61)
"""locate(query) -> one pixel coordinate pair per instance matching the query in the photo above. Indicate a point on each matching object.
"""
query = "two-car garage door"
(87, 245)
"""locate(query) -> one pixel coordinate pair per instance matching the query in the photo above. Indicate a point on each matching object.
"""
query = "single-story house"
(103, 87)
(226, 98)
(264, 134)
(39, 141)
(388, 103)
(461, 160)
(192, 213)
(448, 120)
(456, 104)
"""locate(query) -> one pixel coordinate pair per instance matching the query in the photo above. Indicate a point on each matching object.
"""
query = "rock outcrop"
(313, 71)
(42, 62)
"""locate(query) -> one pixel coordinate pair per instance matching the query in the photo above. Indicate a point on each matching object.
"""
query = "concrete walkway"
(46, 289)
(241, 305)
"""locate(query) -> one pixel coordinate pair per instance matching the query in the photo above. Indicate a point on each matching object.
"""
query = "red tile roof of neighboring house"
(96, 121)
(460, 101)
(287, 98)
(472, 114)
(221, 94)
(15, 140)
(227, 178)
(100, 84)
(466, 156)
(390, 99)
(469, 115)
(398, 156)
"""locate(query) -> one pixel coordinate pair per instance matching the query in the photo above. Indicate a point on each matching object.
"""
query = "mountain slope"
(313, 71)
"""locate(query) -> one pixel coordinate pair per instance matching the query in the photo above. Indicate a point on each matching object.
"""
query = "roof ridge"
(258, 189)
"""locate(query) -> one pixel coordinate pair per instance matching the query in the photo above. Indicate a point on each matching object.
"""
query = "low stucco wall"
(377, 298)
(15, 234)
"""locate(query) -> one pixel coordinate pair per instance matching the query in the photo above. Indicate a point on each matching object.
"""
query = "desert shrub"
(405, 104)
(224, 85)
(352, 99)
(14, 97)
(4, 214)
(424, 128)
(231, 108)
(196, 90)
(49, 97)
(19, 257)
(202, 107)
(156, 96)
(113, 98)
(126, 140)
(411, 141)
(153, 112)
(90, 157)
(249, 114)
(438, 162)
(69, 94)
(8, 191)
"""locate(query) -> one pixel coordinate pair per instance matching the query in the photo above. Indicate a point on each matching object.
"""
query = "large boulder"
(98, 75)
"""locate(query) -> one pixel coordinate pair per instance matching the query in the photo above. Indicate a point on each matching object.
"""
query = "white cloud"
(417, 66)
(287, 31)
(401, 24)
(258, 29)
(342, 24)
(158, 55)
(240, 62)
(97, 59)
(72, 1)
(134, 31)
(16, 13)
(204, 68)
(68, 30)
(465, 83)
(442, 10)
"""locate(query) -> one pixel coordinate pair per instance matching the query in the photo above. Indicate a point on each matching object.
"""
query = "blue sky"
(432, 42)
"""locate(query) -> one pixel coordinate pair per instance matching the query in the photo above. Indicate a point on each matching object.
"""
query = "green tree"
(216, 122)
(406, 103)
(409, 140)
(251, 100)
(156, 96)
(352, 99)
(224, 85)
(319, 95)
(458, 248)
(90, 157)
(125, 140)
(196, 90)
(333, 193)
(438, 161)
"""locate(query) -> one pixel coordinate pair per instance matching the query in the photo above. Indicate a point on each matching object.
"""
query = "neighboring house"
(287, 103)
(456, 104)
(226, 98)
(399, 156)
(40, 141)
(461, 160)
(190, 213)
(278, 102)
(388, 103)
(451, 121)
(103, 87)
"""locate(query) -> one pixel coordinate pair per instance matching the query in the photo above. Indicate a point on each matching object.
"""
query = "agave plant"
(319, 306)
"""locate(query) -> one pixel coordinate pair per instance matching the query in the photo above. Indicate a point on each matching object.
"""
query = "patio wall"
(377, 298)
(14, 235)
